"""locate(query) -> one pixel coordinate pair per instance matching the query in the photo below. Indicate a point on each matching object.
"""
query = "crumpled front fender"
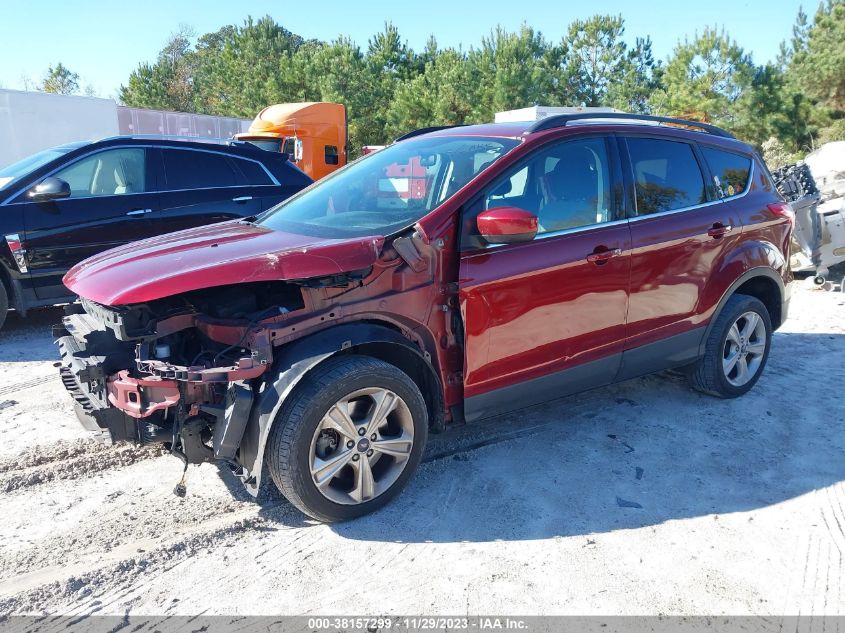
(293, 362)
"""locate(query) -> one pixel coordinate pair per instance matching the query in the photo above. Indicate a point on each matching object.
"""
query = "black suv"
(62, 205)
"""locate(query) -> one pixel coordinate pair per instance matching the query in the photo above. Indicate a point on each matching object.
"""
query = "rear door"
(732, 173)
(679, 231)
(546, 318)
(270, 183)
(201, 187)
(111, 202)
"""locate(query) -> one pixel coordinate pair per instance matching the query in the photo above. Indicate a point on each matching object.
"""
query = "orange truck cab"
(313, 134)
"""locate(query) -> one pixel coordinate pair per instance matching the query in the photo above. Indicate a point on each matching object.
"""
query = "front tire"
(348, 439)
(736, 350)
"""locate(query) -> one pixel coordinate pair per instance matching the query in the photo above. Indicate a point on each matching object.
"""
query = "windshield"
(388, 190)
(21, 168)
(269, 144)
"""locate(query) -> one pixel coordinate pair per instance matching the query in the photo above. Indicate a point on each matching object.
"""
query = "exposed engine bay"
(176, 371)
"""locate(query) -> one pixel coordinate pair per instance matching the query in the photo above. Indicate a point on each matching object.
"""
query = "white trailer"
(33, 121)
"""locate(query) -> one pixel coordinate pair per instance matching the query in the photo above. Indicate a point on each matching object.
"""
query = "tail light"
(783, 210)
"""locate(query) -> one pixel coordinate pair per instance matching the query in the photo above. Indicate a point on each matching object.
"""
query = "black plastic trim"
(673, 351)
(746, 276)
(536, 390)
(292, 362)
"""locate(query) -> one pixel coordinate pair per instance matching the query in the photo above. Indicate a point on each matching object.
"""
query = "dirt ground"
(640, 498)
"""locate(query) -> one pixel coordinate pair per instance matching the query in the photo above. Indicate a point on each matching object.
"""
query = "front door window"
(567, 186)
(108, 173)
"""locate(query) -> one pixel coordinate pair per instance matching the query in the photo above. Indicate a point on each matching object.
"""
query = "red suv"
(459, 273)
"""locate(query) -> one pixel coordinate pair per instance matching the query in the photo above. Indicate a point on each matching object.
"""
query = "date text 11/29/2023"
(420, 623)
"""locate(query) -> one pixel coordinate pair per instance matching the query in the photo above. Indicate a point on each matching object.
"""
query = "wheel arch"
(767, 290)
(764, 284)
(13, 289)
(298, 358)
(5, 281)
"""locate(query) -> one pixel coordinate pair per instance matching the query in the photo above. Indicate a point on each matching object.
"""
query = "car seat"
(572, 192)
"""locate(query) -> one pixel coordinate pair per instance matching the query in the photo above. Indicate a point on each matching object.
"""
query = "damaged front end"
(178, 371)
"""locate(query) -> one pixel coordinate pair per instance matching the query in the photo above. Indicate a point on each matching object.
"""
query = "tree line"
(790, 105)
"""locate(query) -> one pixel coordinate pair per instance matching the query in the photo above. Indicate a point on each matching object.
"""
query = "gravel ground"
(640, 498)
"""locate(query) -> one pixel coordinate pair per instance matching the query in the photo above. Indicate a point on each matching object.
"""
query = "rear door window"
(253, 172)
(730, 171)
(187, 169)
(667, 176)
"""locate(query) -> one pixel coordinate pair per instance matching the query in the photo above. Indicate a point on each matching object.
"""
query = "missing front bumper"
(85, 375)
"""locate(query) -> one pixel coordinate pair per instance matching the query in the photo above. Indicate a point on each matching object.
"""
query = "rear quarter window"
(666, 175)
(730, 171)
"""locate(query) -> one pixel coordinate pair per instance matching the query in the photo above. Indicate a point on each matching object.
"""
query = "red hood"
(216, 255)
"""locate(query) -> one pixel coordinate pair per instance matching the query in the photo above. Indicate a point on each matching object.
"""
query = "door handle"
(139, 211)
(242, 199)
(719, 230)
(600, 257)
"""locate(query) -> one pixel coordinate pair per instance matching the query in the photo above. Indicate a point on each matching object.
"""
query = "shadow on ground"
(27, 339)
(631, 455)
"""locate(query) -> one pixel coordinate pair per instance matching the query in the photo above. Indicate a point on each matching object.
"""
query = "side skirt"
(675, 351)
(597, 373)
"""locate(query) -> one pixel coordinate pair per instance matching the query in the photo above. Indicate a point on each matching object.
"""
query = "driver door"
(110, 204)
(546, 318)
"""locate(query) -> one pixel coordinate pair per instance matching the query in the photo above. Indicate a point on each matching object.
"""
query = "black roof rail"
(208, 140)
(235, 145)
(561, 120)
(425, 130)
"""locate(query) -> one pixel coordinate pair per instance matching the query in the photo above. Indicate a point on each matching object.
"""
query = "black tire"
(708, 375)
(289, 445)
(4, 303)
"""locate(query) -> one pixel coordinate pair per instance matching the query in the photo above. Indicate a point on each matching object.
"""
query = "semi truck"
(312, 134)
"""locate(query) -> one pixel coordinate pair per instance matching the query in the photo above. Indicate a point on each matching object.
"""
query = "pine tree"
(705, 80)
(60, 80)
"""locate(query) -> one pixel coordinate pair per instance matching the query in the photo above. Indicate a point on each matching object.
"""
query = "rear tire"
(348, 439)
(4, 304)
(736, 349)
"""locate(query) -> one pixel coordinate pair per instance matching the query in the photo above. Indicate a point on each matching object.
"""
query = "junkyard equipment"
(815, 188)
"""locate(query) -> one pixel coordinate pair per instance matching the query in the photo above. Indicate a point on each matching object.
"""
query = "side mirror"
(50, 189)
(506, 225)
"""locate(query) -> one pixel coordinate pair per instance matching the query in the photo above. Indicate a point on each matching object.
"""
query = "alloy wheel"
(361, 446)
(744, 349)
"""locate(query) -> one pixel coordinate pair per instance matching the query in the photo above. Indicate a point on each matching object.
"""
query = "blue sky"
(104, 41)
